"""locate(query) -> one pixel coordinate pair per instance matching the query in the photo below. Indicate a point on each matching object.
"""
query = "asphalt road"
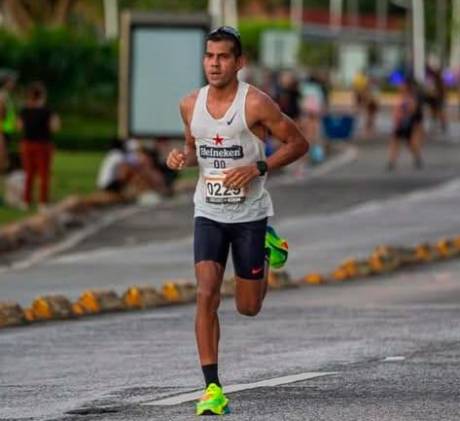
(110, 368)
(392, 343)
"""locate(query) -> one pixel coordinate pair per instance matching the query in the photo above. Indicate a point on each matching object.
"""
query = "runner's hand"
(240, 176)
(175, 160)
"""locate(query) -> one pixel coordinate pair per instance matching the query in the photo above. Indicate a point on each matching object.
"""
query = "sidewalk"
(386, 99)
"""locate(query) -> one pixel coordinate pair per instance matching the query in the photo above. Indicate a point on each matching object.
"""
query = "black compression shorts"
(213, 239)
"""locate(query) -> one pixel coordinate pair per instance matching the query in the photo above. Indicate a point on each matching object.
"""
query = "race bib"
(217, 193)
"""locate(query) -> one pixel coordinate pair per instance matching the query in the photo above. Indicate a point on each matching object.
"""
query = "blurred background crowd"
(335, 67)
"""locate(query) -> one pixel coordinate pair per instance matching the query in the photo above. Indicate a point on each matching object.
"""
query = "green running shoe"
(278, 248)
(213, 402)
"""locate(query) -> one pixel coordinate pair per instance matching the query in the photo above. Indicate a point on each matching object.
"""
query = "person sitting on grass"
(128, 170)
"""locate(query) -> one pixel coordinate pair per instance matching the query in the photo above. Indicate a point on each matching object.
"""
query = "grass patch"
(8, 215)
(73, 173)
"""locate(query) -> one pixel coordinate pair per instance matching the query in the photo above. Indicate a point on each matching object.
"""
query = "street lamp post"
(441, 10)
(455, 36)
(111, 18)
(223, 12)
(418, 39)
(416, 8)
(336, 9)
(297, 15)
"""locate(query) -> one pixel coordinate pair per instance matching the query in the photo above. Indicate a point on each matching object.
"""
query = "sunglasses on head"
(228, 30)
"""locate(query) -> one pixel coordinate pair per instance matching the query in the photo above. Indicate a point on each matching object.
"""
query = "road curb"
(382, 260)
(43, 227)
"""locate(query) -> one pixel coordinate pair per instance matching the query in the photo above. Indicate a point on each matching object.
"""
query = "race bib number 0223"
(217, 193)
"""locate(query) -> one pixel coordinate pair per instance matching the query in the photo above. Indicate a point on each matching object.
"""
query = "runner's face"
(220, 64)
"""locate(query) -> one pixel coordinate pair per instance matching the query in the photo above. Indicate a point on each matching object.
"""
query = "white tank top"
(222, 144)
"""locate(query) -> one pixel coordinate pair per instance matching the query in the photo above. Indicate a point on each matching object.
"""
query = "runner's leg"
(211, 246)
(211, 251)
(250, 294)
(209, 275)
(251, 268)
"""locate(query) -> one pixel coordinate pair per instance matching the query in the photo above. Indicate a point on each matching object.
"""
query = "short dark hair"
(36, 90)
(227, 33)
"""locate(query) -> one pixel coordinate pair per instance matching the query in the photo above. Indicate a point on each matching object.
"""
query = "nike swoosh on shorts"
(256, 271)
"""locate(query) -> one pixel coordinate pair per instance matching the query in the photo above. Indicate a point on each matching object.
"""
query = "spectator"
(7, 115)
(113, 173)
(37, 122)
(128, 169)
(360, 85)
(313, 106)
(365, 92)
(158, 154)
(269, 83)
(371, 102)
(288, 95)
(408, 125)
(14, 184)
(435, 96)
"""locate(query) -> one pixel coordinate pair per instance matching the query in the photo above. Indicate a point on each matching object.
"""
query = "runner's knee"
(208, 299)
(249, 308)
(208, 291)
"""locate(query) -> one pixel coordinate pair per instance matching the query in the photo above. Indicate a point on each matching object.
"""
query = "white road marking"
(187, 397)
(350, 155)
(393, 359)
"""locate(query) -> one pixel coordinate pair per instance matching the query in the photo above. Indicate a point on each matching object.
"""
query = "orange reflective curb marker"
(179, 291)
(424, 253)
(140, 297)
(280, 279)
(11, 314)
(447, 248)
(78, 309)
(51, 307)
(339, 274)
(100, 301)
(314, 279)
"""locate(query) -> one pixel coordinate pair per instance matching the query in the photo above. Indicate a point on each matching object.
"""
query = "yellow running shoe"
(213, 402)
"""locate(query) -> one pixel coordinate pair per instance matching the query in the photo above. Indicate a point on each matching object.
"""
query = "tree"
(165, 5)
(24, 15)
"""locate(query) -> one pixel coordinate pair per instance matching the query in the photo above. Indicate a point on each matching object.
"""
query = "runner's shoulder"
(259, 102)
(187, 103)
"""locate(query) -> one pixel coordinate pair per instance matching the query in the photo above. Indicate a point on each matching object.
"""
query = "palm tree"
(23, 15)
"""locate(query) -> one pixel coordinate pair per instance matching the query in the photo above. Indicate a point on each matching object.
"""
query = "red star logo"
(218, 140)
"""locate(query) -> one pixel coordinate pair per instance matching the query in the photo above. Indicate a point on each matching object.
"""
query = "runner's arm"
(262, 110)
(179, 159)
(186, 109)
(293, 143)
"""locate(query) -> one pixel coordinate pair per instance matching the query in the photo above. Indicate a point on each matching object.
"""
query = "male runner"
(225, 124)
